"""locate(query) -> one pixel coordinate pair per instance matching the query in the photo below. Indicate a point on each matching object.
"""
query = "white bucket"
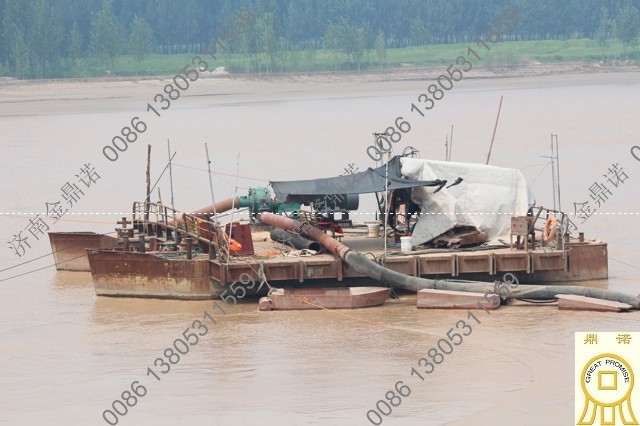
(374, 229)
(405, 243)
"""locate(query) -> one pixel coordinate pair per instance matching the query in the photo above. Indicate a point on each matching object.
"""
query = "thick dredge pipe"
(366, 266)
(293, 240)
(220, 207)
(207, 212)
(355, 260)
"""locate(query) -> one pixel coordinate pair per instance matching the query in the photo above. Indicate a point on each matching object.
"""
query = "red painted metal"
(242, 235)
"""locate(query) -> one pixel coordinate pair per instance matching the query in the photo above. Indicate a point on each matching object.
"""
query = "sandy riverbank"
(15, 90)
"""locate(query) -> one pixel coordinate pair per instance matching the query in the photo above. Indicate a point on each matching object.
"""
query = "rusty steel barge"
(165, 253)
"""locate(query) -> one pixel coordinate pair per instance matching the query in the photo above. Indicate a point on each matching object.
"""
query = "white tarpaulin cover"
(487, 198)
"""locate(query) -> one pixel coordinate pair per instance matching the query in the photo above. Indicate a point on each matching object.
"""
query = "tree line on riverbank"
(42, 38)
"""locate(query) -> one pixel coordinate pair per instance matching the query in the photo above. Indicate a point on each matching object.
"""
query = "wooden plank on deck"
(446, 299)
(583, 303)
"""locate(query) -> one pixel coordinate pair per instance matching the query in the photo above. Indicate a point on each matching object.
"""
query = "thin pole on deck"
(495, 127)
(146, 204)
(386, 204)
(173, 207)
(450, 144)
(233, 207)
(213, 199)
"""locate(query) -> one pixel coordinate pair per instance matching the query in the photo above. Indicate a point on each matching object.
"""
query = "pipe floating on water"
(293, 240)
(542, 292)
(362, 264)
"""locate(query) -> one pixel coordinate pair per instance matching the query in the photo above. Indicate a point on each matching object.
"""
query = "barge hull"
(68, 248)
(131, 274)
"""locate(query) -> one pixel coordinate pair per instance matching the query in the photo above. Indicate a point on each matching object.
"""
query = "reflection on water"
(67, 355)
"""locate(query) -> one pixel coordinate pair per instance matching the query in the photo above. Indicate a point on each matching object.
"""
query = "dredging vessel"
(463, 221)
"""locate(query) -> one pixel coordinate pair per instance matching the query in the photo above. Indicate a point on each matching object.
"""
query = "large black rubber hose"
(293, 240)
(362, 264)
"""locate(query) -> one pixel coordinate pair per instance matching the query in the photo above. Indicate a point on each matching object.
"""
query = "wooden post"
(189, 254)
(141, 243)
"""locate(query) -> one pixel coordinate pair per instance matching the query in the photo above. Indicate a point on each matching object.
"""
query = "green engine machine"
(259, 200)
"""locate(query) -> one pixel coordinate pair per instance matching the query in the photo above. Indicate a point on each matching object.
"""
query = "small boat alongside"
(324, 298)
(69, 248)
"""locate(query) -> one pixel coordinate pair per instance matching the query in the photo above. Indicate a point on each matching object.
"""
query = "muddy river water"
(66, 355)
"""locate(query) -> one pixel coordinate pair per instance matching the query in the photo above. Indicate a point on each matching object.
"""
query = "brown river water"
(66, 355)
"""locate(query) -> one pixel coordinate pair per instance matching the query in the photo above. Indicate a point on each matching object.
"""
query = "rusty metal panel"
(548, 261)
(233, 271)
(587, 261)
(282, 270)
(474, 263)
(215, 270)
(510, 262)
(431, 265)
(404, 265)
(520, 225)
(320, 269)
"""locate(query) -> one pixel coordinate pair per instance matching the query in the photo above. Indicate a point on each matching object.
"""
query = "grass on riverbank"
(503, 53)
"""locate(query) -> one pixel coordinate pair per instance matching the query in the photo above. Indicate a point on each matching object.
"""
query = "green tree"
(628, 27)
(106, 41)
(282, 52)
(141, 39)
(267, 39)
(43, 35)
(359, 45)
(602, 33)
(381, 49)
(73, 50)
(311, 55)
(19, 52)
(418, 32)
(331, 40)
(74, 43)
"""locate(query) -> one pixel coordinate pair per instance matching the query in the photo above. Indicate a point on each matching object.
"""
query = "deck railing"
(563, 230)
(173, 225)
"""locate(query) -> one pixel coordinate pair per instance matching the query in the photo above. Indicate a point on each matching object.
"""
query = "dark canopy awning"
(371, 180)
